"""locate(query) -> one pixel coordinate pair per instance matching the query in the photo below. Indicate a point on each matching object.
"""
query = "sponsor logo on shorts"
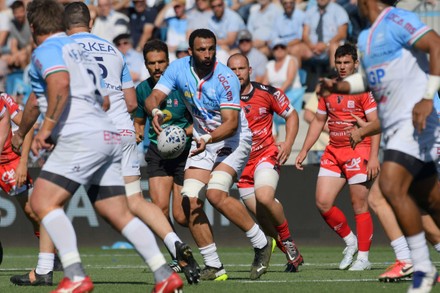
(353, 164)
(8, 176)
(112, 137)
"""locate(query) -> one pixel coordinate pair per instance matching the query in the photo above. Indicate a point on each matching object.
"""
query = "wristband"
(207, 138)
(156, 111)
(356, 82)
(432, 87)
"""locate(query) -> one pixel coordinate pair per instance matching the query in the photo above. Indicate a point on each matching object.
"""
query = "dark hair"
(46, 17)
(390, 2)
(347, 49)
(155, 45)
(201, 33)
(17, 4)
(241, 55)
(76, 14)
(121, 37)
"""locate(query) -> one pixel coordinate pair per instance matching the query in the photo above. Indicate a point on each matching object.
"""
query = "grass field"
(122, 271)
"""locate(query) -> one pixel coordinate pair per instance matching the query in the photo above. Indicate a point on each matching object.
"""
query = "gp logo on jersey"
(353, 164)
(8, 176)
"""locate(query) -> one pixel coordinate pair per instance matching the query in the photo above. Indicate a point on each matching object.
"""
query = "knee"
(265, 199)
(180, 218)
(390, 190)
(323, 205)
(218, 187)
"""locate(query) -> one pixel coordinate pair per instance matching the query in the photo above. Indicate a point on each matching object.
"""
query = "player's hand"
(201, 146)
(157, 122)
(106, 104)
(373, 168)
(325, 87)
(20, 174)
(420, 112)
(300, 159)
(284, 151)
(355, 132)
(139, 138)
(42, 141)
(17, 142)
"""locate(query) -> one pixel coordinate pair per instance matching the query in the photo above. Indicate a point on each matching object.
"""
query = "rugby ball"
(171, 142)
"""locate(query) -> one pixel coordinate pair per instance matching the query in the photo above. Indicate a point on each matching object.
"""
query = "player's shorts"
(159, 167)
(130, 160)
(345, 163)
(92, 159)
(8, 183)
(269, 155)
(232, 152)
(404, 138)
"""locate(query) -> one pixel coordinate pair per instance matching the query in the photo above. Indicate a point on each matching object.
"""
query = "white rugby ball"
(171, 142)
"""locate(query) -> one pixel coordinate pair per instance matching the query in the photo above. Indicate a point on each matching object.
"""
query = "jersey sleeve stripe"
(230, 106)
(162, 88)
(419, 34)
(321, 112)
(3, 111)
(370, 110)
(54, 69)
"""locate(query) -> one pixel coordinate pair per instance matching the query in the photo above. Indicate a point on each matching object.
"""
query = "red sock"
(37, 233)
(364, 228)
(283, 231)
(335, 218)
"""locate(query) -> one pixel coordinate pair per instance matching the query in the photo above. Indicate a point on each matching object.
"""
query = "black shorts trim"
(159, 167)
(417, 168)
(96, 192)
(66, 183)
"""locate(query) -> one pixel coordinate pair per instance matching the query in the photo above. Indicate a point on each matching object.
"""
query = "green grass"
(122, 271)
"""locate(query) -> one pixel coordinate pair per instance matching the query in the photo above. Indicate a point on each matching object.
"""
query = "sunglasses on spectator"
(279, 47)
(288, 3)
(245, 40)
(122, 43)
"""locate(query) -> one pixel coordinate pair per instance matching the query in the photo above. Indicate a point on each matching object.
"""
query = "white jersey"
(397, 72)
(115, 73)
(83, 112)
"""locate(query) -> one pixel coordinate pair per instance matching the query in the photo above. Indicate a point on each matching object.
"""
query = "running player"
(122, 95)
(87, 150)
(258, 183)
(218, 153)
(393, 52)
(341, 164)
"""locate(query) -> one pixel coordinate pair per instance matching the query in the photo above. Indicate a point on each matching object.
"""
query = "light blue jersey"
(83, 112)
(396, 71)
(205, 97)
(115, 73)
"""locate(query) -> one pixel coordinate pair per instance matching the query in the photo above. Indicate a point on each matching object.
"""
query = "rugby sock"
(170, 242)
(350, 239)
(210, 256)
(419, 252)
(61, 231)
(257, 237)
(283, 231)
(45, 263)
(364, 228)
(37, 234)
(145, 244)
(401, 249)
(335, 218)
(437, 247)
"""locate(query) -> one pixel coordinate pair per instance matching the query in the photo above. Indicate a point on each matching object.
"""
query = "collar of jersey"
(200, 82)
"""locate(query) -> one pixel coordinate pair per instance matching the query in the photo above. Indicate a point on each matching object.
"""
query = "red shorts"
(269, 155)
(345, 163)
(8, 183)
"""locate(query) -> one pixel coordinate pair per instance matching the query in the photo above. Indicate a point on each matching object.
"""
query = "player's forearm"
(130, 99)
(29, 117)
(58, 91)
(372, 128)
(292, 126)
(26, 148)
(154, 100)
(313, 133)
(375, 145)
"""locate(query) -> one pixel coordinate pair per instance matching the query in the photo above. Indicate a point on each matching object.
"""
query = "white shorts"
(422, 146)
(130, 160)
(88, 159)
(232, 152)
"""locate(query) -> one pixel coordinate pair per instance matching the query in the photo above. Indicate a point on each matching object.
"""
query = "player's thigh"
(160, 188)
(114, 210)
(359, 197)
(327, 189)
(48, 195)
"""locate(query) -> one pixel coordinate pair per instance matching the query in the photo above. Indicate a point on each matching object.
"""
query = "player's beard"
(204, 66)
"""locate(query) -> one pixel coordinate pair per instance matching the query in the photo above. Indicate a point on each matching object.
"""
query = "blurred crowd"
(289, 43)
